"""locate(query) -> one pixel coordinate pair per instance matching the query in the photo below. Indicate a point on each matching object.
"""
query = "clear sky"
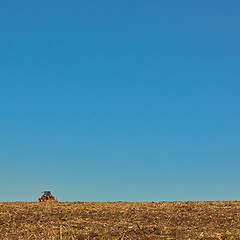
(120, 100)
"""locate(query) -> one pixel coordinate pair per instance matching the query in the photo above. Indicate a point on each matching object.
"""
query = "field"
(120, 220)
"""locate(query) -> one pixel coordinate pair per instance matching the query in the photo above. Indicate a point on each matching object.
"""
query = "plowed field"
(120, 220)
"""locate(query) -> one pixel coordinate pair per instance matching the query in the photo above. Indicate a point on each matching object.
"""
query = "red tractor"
(47, 197)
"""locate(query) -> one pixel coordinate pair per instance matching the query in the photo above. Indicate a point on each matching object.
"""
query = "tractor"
(47, 197)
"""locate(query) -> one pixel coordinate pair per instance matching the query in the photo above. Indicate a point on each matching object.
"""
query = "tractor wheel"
(43, 199)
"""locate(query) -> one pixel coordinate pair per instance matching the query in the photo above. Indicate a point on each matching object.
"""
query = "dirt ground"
(120, 220)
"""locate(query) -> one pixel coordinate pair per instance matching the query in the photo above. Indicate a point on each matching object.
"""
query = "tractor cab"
(48, 193)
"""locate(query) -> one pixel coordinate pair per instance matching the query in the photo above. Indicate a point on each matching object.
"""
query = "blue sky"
(120, 100)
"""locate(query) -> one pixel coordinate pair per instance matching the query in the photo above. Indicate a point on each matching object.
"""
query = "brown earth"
(120, 220)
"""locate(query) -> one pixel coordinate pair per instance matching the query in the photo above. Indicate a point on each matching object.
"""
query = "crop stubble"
(120, 220)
